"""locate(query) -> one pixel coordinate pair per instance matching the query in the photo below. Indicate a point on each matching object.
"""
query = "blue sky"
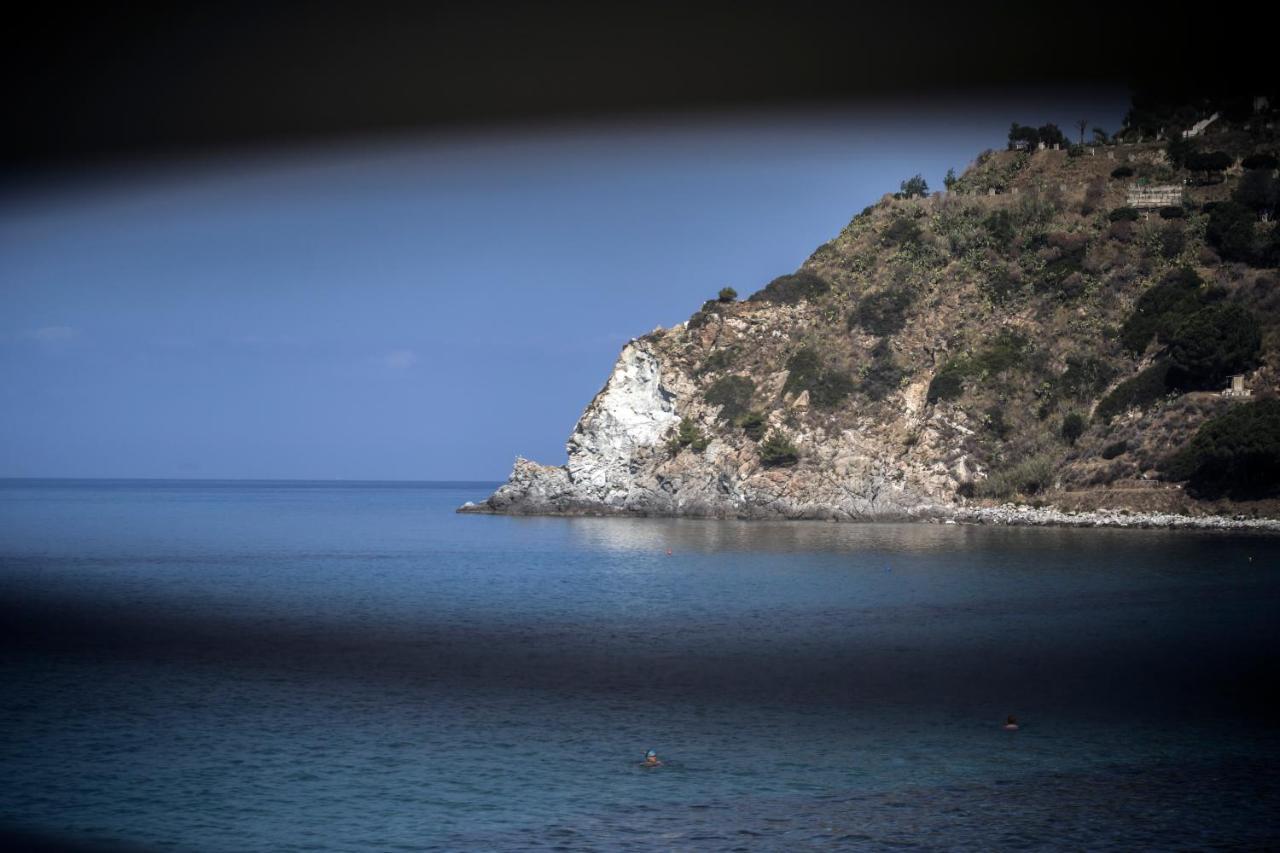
(418, 308)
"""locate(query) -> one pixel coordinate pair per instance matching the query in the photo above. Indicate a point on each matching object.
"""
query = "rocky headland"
(1029, 347)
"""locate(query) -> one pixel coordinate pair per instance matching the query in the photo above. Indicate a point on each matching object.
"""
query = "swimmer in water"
(651, 759)
(1011, 723)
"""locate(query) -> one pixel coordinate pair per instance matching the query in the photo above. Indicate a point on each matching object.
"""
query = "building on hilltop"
(1237, 388)
(1148, 198)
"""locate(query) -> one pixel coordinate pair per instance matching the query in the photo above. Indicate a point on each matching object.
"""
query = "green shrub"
(1178, 148)
(1172, 241)
(1007, 349)
(1086, 376)
(1093, 196)
(1209, 161)
(1073, 426)
(883, 376)
(1236, 454)
(1029, 477)
(1260, 161)
(1123, 214)
(752, 424)
(883, 312)
(1068, 262)
(778, 450)
(1122, 172)
(721, 359)
(1212, 344)
(1161, 309)
(703, 314)
(732, 394)
(948, 382)
(804, 370)
(1136, 393)
(1001, 285)
(1258, 191)
(791, 289)
(994, 420)
(1111, 451)
(901, 231)
(1000, 225)
(827, 388)
(728, 294)
(1121, 231)
(689, 435)
(1270, 255)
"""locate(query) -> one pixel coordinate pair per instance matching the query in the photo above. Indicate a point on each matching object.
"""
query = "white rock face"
(629, 418)
(619, 462)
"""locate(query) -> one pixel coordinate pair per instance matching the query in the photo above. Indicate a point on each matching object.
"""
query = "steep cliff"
(1026, 334)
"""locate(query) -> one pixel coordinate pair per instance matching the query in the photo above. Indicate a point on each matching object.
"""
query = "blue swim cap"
(650, 754)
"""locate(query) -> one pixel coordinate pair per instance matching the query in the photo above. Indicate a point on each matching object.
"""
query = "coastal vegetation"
(778, 450)
(1236, 453)
(1034, 302)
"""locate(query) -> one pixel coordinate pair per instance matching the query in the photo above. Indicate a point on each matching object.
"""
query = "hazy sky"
(418, 308)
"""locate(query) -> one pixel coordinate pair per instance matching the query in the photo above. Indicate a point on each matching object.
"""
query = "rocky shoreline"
(1027, 516)
(1007, 515)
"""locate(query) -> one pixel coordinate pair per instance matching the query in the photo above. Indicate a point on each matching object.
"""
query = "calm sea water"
(318, 666)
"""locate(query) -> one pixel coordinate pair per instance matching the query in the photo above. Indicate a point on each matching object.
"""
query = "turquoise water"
(327, 666)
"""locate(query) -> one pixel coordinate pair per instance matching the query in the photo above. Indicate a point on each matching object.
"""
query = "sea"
(286, 666)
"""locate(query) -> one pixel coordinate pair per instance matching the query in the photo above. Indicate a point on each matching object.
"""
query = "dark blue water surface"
(333, 666)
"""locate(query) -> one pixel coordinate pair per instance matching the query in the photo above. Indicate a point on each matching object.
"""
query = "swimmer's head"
(651, 754)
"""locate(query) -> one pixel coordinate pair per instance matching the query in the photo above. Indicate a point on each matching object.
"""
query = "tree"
(1161, 310)
(1100, 136)
(1260, 161)
(728, 294)
(688, 435)
(1050, 135)
(1208, 162)
(1178, 149)
(1212, 344)
(914, 186)
(949, 180)
(1022, 133)
(1073, 426)
(1236, 453)
(778, 450)
(752, 424)
(1230, 230)
(1082, 124)
(1259, 192)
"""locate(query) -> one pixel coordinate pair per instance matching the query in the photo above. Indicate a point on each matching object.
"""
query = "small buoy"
(668, 552)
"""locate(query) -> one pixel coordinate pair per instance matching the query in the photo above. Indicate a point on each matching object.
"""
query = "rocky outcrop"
(621, 461)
